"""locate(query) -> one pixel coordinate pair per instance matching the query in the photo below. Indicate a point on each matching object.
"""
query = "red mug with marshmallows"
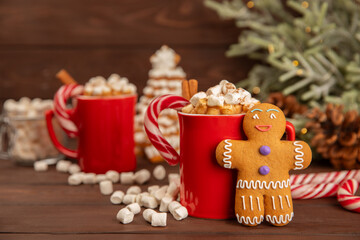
(206, 189)
(104, 127)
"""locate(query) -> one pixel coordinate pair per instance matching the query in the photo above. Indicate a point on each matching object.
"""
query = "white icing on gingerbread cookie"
(299, 156)
(262, 184)
(227, 153)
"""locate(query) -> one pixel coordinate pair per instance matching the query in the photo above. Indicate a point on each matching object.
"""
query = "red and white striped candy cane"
(62, 113)
(327, 177)
(346, 197)
(152, 128)
(313, 191)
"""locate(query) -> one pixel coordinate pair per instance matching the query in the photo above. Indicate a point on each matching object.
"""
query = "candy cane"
(152, 127)
(320, 178)
(62, 113)
(313, 191)
(346, 197)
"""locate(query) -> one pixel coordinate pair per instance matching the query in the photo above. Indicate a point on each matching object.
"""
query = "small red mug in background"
(206, 189)
(104, 127)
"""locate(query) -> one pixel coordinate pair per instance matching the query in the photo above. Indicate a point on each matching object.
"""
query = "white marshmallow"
(117, 197)
(129, 198)
(63, 166)
(223, 82)
(133, 190)
(112, 175)
(147, 214)
(75, 179)
(106, 187)
(100, 177)
(142, 176)
(232, 98)
(180, 213)
(228, 88)
(149, 202)
(89, 178)
(174, 177)
(214, 91)
(127, 178)
(74, 168)
(196, 97)
(134, 208)
(139, 197)
(40, 166)
(164, 205)
(245, 96)
(158, 219)
(215, 101)
(152, 189)
(125, 216)
(161, 192)
(159, 172)
(150, 152)
(173, 205)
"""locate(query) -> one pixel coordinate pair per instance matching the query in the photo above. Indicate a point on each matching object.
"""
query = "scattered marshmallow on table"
(173, 177)
(63, 166)
(89, 178)
(117, 197)
(149, 202)
(100, 177)
(127, 178)
(177, 210)
(139, 197)
(40, 166)
(74, 168)
(106, 187)
(112, 175)
(164, 205)
(161, 192)
(134, 190)
(158, 219)
(147, 214)
(172, 190)
(152, 189)
(134, 208)
(125, 216)
(159, 172)
(129, 198)
(75, 179)
(142, 176)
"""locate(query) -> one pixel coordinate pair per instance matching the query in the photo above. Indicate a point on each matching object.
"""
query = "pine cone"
(288, 104)
(336, 135)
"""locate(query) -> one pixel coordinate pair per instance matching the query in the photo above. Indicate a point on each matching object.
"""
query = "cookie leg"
(278, 207)
(249, 208)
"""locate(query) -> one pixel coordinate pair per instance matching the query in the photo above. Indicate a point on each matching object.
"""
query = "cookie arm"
(302, 155)
(225, 153)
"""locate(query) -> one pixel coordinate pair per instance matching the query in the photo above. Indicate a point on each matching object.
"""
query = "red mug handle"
(68, 152)
(152, 128)
(290, 131)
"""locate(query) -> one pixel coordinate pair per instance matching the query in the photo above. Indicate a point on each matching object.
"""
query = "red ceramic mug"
(207, 190)
(104, 128)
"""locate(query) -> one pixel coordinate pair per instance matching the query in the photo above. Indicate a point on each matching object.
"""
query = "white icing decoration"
(262, 184)
(243, 201)
(273, 202)
(280, 199)
(258, 202)
(298, 157)
(251, 205)
(272, 116)
(256, 116)
(226, 154)
(247, 220)
(280, 219)
(288, 201)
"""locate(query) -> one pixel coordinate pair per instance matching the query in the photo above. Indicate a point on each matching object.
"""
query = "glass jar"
(26, 140)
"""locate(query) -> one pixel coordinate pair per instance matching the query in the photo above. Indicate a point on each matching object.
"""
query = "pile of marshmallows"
(224, 93)
(163, 197)
(31, 140)
(114, 85)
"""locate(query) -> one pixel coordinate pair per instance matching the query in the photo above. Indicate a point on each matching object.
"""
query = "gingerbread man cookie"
(263, 163)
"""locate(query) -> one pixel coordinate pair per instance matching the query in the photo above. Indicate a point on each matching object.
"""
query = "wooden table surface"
(40, 205)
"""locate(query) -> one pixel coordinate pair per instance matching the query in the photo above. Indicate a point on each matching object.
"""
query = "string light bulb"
(250, 4)
(256, 90)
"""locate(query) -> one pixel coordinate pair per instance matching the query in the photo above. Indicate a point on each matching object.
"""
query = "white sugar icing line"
(263, 184)
(243, 202)
(247, 220)
(299, 156)
(287, 200)
(258, 202)
(226, 154)
(273, 202)
(281, 204)
(251, 204)
(280, 219)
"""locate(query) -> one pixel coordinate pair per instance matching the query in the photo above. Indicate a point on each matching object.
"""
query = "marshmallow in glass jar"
(24, 124)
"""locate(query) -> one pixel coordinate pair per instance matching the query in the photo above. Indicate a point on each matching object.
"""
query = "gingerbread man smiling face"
(263, 163)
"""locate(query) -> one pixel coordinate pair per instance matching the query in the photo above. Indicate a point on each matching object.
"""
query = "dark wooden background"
(92, 37)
